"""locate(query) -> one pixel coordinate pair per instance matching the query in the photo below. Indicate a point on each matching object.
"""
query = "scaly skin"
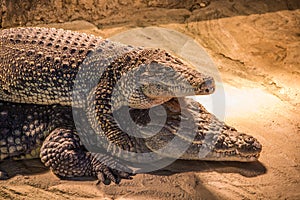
(44, 66)
(190, 121)
(48, 132)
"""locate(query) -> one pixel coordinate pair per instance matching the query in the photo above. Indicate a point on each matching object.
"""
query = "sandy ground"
(258, 58)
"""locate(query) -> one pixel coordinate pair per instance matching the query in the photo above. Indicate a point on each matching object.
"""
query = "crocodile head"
(199, 134)
(153, 76)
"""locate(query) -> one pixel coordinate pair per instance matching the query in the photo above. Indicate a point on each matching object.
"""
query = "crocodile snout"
(208, 86)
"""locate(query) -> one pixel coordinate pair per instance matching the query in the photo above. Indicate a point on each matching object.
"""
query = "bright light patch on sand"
(232, 102)
(214, 103)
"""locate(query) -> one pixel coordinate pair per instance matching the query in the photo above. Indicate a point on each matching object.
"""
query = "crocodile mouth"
(213, 153)
(233, 155)
(206, 87)
(241, 151)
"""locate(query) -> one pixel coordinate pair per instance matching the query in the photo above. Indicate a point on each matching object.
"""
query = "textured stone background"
(131, 12)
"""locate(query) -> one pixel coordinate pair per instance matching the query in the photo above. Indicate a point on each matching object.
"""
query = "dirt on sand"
(256, 48)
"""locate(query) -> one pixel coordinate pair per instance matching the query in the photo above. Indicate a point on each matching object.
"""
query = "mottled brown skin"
(40, 66)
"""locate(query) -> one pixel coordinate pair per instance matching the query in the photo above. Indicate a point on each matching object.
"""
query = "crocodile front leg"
(63, 152)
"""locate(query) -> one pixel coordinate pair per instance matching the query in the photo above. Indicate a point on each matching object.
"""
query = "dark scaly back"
(24, 127)
(38, 65)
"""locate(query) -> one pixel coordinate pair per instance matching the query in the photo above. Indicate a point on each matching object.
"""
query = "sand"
(257, 57)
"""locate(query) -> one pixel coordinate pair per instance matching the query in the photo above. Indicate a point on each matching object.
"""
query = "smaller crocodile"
(49, 132)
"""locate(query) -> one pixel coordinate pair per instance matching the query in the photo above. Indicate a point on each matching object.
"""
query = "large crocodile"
(43, 72)
(44, 66)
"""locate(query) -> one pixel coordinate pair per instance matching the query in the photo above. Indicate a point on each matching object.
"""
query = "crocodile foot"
(63, 152)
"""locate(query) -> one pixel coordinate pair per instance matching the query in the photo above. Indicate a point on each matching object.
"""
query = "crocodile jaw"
(227, 156)
(230, 155)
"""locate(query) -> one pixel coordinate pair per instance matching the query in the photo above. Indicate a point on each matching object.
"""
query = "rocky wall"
(129, 12)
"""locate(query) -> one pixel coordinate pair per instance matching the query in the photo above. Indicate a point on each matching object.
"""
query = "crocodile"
(49, 133)
(48, 75)
(55, 66)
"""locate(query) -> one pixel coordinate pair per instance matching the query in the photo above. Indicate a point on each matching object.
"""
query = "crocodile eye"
(168, 69)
